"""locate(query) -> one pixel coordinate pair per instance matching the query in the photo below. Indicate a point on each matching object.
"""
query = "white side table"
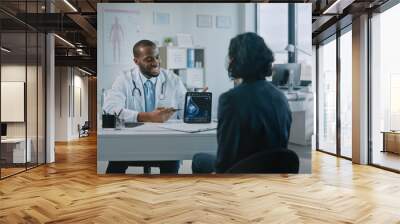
(18, 149)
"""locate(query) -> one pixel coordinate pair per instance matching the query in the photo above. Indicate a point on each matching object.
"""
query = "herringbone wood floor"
(70, 191)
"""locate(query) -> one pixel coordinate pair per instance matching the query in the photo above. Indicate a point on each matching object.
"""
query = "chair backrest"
(268, 161)
(86, 125)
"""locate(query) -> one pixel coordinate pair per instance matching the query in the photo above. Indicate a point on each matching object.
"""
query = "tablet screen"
(197, 107)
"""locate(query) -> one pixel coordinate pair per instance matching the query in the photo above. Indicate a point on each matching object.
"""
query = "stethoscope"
(162, 95)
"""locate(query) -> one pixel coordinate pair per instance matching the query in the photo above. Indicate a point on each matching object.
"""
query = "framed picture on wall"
(204, 21)
(223, 22)
(160, 18)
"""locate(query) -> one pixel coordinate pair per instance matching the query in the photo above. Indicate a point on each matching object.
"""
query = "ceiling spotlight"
(84, 71)
(5, 50)
(70, 5)
(65, 41)
(337, 7)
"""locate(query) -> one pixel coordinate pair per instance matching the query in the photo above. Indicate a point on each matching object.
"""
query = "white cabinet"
(187, 63)
(173, 57)
(14, 150)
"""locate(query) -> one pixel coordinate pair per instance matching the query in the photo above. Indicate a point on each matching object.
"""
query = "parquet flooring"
(10, 171)
(70, 191)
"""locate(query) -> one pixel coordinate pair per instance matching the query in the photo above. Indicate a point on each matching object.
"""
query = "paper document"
(189, 128)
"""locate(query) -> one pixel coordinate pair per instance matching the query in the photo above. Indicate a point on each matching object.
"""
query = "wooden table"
(391, 141)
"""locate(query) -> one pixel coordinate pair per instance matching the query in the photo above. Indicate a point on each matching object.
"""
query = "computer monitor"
(3, 129)
(281, 72)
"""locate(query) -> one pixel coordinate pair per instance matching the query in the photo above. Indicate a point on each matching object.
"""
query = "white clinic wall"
(273, 27)
(137, 22)
(215, 41)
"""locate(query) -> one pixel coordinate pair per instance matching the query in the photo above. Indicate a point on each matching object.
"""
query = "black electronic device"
(197, 107)
(3, 129)
(133, 124)
(282, 72)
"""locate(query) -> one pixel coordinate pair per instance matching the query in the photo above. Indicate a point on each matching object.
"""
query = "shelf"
(187, 62)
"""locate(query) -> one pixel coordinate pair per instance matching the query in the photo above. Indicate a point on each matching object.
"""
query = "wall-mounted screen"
(12, 101)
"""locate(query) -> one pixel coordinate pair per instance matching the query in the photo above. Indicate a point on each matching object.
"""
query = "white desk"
(150, 142)
(302, 106)
(17, 147)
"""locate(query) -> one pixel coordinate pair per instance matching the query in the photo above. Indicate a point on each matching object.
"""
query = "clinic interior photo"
(199, 112)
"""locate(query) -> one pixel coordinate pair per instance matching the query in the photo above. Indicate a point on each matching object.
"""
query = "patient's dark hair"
(142, 43)
(250, 57)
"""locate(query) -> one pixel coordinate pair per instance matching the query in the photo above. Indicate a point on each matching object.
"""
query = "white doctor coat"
(127, 101)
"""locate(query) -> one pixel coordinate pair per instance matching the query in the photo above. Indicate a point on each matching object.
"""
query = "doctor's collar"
(152, 79)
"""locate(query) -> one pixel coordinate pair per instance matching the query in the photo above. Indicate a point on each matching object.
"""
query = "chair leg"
(147, 170)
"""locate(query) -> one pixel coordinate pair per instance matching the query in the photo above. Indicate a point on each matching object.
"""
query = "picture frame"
(204, 21)
(161, 18)
(223, 22)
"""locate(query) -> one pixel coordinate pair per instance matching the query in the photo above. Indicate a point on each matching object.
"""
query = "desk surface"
(390, 132)
(151, 142)
(13, 140)
(148, 129)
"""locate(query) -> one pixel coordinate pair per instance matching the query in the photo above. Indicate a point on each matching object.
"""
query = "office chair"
(84, 130)
(268, 161)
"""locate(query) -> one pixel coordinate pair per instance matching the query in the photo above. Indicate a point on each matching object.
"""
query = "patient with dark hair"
(254, 115)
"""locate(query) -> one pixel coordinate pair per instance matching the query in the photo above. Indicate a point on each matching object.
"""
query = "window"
(385, 86)
(327, 96)
(346, 94)
(335, 74)
(273, 27)
(22, 66)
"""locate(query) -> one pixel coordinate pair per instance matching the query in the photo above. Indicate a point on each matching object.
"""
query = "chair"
(268, 161)
(84, 130)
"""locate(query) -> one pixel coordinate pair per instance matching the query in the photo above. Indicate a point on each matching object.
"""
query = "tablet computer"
(197, 107)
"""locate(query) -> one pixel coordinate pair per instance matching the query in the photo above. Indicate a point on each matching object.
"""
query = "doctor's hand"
(162, 114)
(159, 115)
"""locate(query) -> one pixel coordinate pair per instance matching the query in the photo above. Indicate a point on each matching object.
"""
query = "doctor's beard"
(150, 72)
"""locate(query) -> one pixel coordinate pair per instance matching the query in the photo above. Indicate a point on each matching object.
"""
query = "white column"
(50, 92)
(50, 101)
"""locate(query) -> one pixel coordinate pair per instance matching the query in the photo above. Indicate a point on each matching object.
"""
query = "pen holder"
(108, 121)
(119, 123)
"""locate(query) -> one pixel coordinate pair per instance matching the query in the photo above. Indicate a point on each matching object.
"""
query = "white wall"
(33, 125)
(68, 81)
(80, 83)
(61, 103)
(215, 41)
(17, 73)
(137, 22)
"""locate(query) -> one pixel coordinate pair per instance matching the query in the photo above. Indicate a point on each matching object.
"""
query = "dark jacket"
(252, 117)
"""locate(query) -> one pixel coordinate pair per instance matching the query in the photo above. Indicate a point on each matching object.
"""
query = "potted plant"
(168, 41)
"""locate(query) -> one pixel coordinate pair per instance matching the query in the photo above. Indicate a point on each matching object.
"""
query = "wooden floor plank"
(70, 191)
